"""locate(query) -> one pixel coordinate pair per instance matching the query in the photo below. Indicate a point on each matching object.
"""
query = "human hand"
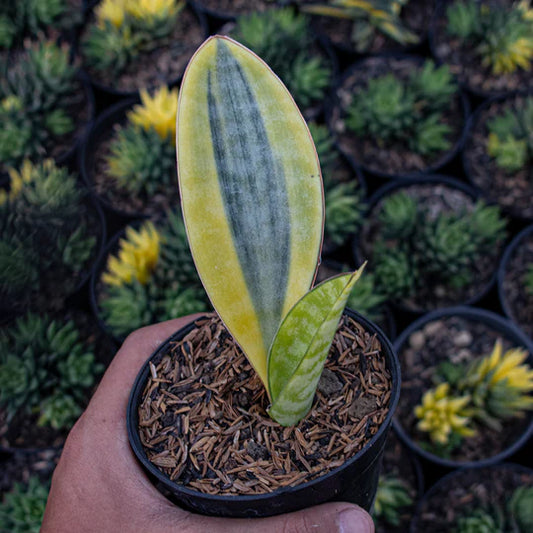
(98, 486)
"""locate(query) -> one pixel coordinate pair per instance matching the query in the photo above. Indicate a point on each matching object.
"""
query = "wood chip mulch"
(203, 420)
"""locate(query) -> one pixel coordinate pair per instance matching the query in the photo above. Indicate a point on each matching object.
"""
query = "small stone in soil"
(417, 340)
(329, 383)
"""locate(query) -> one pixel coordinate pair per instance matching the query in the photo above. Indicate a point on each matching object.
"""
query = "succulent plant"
(501, 34)
(369, 18)
(37, 92)
(41, 229)
(486, 391)
(45, 368)
(154, 270)
(510, 140)
(22, 508)
(282, 39)
(367, 298)
(391, 499)
(142, 153)
(520, 509)
(125, 29)
(413, 248)
(408, 111)
(479, 521)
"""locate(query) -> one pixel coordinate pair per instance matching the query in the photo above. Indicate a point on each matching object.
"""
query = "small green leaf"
(301, 345)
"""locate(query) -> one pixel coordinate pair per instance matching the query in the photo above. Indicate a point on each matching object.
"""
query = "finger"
(326, 518)
(111, 397)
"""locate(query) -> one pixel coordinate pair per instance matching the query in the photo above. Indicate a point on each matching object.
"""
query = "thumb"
(325, 518)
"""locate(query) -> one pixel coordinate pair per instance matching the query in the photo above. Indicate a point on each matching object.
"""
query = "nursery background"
(422, 115)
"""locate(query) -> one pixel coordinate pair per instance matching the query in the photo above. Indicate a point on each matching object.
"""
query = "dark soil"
(512, 191)
(416, 15)
(486, 488)
(234, 8)
(19, 467)
(107, 188)
(391, 158)
(432, 293)
(398, 462)
(457, 340)
(22, 432)
(203, 419)
(160, 66)
(467, 65)
(518, 299)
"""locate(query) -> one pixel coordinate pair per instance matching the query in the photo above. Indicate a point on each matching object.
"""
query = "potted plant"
(50, 236)
(344, 191)
(466, 391)
(257, 175)
(129, 157)
(27, 19)
(22, 507)
(488, 44)
(498, 153)
(364, 27)
(48, 368)
(283, 39)
(398, 115)
(44, 107)
(146, 276)
(127, 46)
(400, 486)
(515, 280)
(496, 498)
(430, 243)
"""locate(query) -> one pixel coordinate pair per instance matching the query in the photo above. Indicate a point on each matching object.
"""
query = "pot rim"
(495, 321)
(502, 269)
(392, 363)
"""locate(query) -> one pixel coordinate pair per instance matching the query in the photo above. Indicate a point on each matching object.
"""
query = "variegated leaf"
(251, 192)
(299, 351)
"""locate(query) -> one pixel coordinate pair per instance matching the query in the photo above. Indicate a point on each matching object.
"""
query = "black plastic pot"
(100, 131)
(110, 91)
(458, 479)
(439, 15)
(355, 481)
(472, 124)
(509, 251)
(393, 187)
(333, 114)
(496, 322)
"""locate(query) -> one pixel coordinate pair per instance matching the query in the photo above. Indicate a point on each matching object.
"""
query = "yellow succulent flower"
(158, 112)
(152, 9)
(113, 11)
(137, 257)
(517, 55)
(441, 414)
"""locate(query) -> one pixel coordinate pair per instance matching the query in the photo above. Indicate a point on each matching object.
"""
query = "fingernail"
(354, 521)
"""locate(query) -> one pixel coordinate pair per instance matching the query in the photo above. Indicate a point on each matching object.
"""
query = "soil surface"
(165, 64)
(109, 190)
(487, 488)
(467, 65)
(433, 293)
(513, 191)
(203, 419)
(22, 431)
(391, 158)
(458, 340)
(518, 299)
(415, 15)
(234, 8)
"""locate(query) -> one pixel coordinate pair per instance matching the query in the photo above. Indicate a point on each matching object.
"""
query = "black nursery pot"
(496, 322)
(355, 481)
(509, 251)
(334, 113)
(395, 186)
